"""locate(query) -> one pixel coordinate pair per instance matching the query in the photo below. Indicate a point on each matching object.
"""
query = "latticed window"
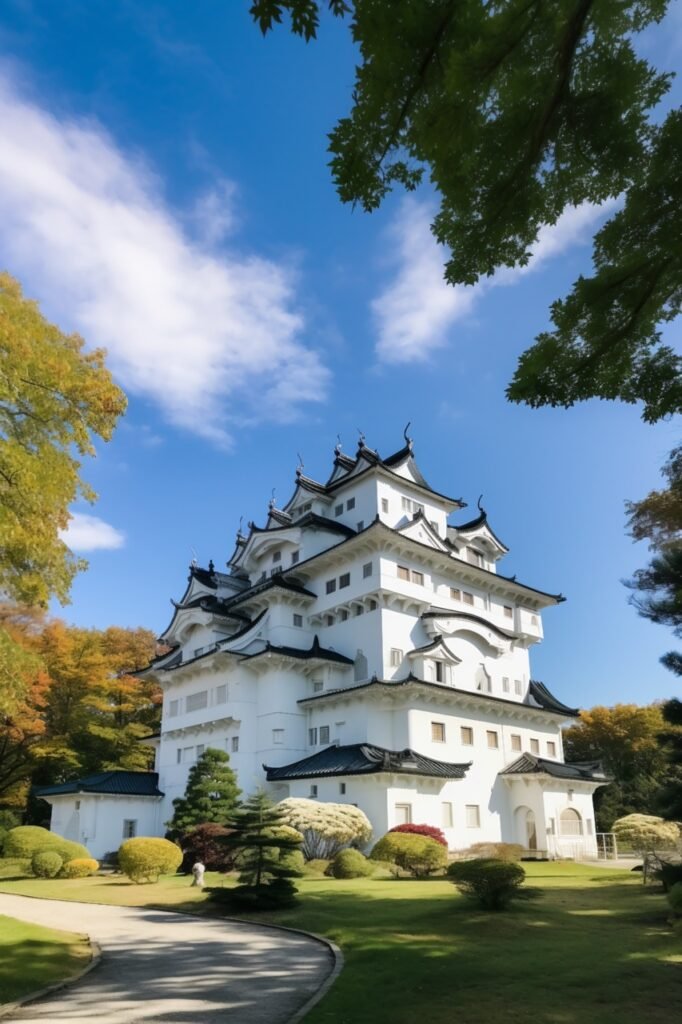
(570, 823)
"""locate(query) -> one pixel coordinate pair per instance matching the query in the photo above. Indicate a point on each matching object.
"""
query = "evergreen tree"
(261, 837)
(212, 794)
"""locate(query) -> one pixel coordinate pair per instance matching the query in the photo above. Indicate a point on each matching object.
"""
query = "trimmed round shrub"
(495, 851)
(675, 899)
(25, 840)
(430, 831)
(46, 864)
(79, 867)
(417, 854)
(349, 864)
(493, 884)
(143, 859)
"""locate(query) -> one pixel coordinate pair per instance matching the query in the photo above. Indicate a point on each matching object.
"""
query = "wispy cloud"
(89, 533)
(414, 313)
(212, 338)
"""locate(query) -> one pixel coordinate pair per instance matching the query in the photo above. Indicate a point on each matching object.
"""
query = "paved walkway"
(159, 966)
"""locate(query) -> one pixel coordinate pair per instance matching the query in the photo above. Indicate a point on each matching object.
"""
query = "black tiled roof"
(315, 651)
(365, 759)
(539, 692)
(450, 613)
(115, 782)
(528, 764)
(279, 580)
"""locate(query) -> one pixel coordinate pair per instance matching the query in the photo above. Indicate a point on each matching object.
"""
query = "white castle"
(362, 649)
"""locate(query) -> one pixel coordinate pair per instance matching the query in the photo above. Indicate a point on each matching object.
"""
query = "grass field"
(32, 957)
(595, 948)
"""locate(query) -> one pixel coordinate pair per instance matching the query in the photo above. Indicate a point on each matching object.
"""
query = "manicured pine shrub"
(493, 884)
(143, 859)
(430, 831)
(349, 864)
(80, 867)
(418, 855)
(46, 864)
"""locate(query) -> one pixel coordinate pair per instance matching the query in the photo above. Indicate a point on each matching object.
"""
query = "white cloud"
(213, 339)
(89, 533)
(414, 313)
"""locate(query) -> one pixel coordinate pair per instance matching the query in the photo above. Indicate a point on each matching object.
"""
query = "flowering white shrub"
(326, 828)
(645, 832)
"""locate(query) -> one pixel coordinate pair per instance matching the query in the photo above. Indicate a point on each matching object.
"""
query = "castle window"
(173, 708)
(318, 685)
(338, 510)
(473, 816)
(343, 614)
(235, 744)
(493, 739)
(476, 558)
(446, 814)
(197, 701)
(361, 525)
(403, 814)
(342, 788)
(221, 694)
(359, 609)
(505, 684)
(440, 671)
(344, 580)
(294, 557)
(515, 741)
(129, 828)
(324, 734)
(467, 598)
(403, 573)
(384, 504)
(551, 748)
(187, 755)
(535, 746)
(312, 737)
(277, 556)
(466, 735)
(199, 751)
(178, 755)
(518, 687)
(508, 611)
(298, 619)
(455, 594)
(366, 570)
(262, 576)
(570, 823)
(372, 605)
(313, 792)
(438, 732)
(396, 657)
(418, 577)
(277, 737)
(350, 504)
(330, 620)
(331, 586)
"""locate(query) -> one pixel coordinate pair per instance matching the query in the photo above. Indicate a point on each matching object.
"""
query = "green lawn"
(596, 948)
(32, 957)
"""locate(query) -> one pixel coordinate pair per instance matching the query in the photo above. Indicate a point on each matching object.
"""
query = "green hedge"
(25, 840)
(80, 867)
(493, 884)
(349, 864)
(143, 859)
(414, 853)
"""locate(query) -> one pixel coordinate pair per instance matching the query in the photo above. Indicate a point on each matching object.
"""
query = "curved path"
(160, 966)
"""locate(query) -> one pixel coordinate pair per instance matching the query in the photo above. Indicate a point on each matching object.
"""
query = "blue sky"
(164, 191)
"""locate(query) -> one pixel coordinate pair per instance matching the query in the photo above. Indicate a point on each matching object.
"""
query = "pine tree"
(212, 794)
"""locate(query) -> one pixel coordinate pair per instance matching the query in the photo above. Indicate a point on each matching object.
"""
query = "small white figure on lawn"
(198, 874)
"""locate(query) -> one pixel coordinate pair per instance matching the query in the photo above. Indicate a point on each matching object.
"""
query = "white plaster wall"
(98, 823)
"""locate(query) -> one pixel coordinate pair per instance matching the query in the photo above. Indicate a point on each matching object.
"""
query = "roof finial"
(211, 565)
(271, 503)
(480, 506)
(408, 440)
(239, 528)
(195, 561)
(299, 468)
(361, 442)
(337, 448)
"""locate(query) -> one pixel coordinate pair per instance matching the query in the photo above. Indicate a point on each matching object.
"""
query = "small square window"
(418, 577)
(551, 748)
(318, 685)
(313, 792)
(344, 580)
(372, 605)
(359, 609)
(438, 732)
(403, 572)
(338, 510)
(455, 594)
(343, 614)
(366, 570)
(350, 504)
(331, 586)
(324, 734)
(235, 744)
(515, 742)
(342, 788)
(508, 612)
(396, 657)
(277, 556)
(467, 598)
(294, 557)
(535, 746)
(505, 684)
(129, 828)
(361, 526)
(446, 814)
(467, 735)
(312, 737)
(384, 504)
(473, 816)
(278, 737)
(493, 741)
(298, 619)
(330, 620)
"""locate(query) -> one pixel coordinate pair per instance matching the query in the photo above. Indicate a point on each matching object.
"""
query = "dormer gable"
(477, 535)
(420, 529)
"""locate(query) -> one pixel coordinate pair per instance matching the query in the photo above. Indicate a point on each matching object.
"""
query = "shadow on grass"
(30, 964)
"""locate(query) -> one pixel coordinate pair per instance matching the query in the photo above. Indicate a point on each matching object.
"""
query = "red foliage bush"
(422, 830)
(203, 843)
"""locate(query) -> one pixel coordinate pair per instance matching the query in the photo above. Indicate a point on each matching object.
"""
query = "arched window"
(570, 823)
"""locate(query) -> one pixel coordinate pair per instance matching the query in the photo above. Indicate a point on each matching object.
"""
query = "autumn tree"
(514, 111)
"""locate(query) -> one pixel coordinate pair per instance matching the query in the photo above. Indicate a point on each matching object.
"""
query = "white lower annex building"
(363, 649)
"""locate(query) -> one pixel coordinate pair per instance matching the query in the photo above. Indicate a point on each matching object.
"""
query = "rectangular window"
(338, 510)
(359, 609)
(384, 504)
(466, 735)
(535, 746)
(343, 615)
(403, 573)
(312, 737)
(196, 701)
(473, 816)
(372, 605)
(277, 737)
(324, 734)
(313, 792)
(199, 751)
(129, 828)
(187, 755)
(403, 814)
(330, 620)
(277, 556)
(475, 557)
(551, 748)
(361, 526)
(350, 504)
(467, 598)
(276, 570)
(342, 788)
(173, 708)
(440, 672)
(366, 570)
(331, 586)
(344, 580)
(418, 577)
(221, 694)
(515, 741)
(505, 684)
(298, 619)
(518, 687)
(318, 685)
(455, 594)
(178, 755)
(396, 657)
(438, 732)
(492, 738)
(508, 612)
(407, 505)
(446, 814)
(294, 557)
(235, 744)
